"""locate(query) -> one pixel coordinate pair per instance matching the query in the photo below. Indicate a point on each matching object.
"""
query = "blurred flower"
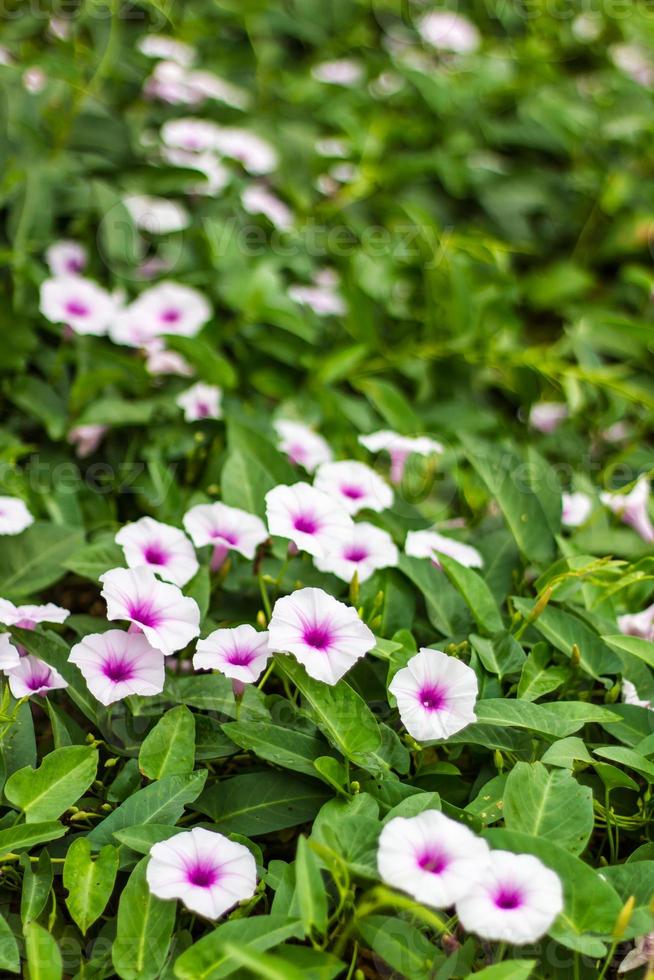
(160, 360)
(342, 72)
(14, 515)
(170, 83)
(514, 899)
(617, 432)
(255, 153)
(305, 515)
(201, 401)
(632, 508)
(159, 46)
(86, 438)
(192, 135)
(216, 174)
(436, 695)
(332, 147)
(28, 617)
(641, 955)
(6, 58)
(167, 308)
(548, 416)
(257, 199)
(34, 80)
(116, 664)
(431, 857)
(344, 173)
(323, 301)
(78, 303)
(630, 696)
(448, 31)
(205, 85)
(587, 27)
(168, 618)
(9, 655)
(165, 549)
(363, 549)
(323, 634)
(208, 872)
(301, 444)
(356, 485)
(240, 653)
(33, 676)
(59, 27)
(66, 258)
(428, 544)
(638, 624)
(400, 448)
(156, 215)
(226, 528)
(634, 61)
(576, 508)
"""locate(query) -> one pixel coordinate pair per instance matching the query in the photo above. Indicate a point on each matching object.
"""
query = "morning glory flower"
(78, 303)
(630, 695)
(14, 515)
(226, 528)
(206, 85)
(548, 416)
(201, 401)
(576, 508)
(638, 624)
(323, 634)
(160, 46)
(400, 448)
(115, 664)
(305, 515)
(431, 857)
(170, 83)
(169, 619)
(240, 653)
(66, 258)
(160, 360)
(448, 31)
(301, 444)
(257, 199)
(170, 308)
(208, 872)
(356, 485)
(641, 955)
(156, 215)
(253, 152)
(9, 655)
(632, 508)
(429, 544)
(193, 135)
(33, 676)
(86, 438)
(28, 617)
(435, 694)
(216, 174)
(363, 549)
(165, 549)
(344, 71)
(324, 300)
(515, 898)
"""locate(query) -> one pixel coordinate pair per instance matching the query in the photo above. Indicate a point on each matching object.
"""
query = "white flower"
(79, 303)
(306, 516)
(201, 401)
(192, 135)
(169, 619)
(428, 544)
(165, 549)
(634, 61)
(325, 635)
(448, 31)
(226, 528)
(159, 46)
(160, 360)
(257, 199)
(34, 80)
(431, 857)
(33, 676)
(576, 508)
(400, 448)
(356, 485)
(115, 664)
(207, 871)
(240, 653)
(27, 617)
(323, 300)
(86, 438)
(167, 308)
(514, 899)
(342, 72)
(14, 516)
(332, 147)
(301, 444)
(435, 694)
(255, 153)
(66, 258)
(9, 655)
(641, 955)
(206, 85)
(363, 549)
(156, 215)
(170, 83)
(548, 416)
(638, 624)
(630, 696)
(632, 508)
(216, 174)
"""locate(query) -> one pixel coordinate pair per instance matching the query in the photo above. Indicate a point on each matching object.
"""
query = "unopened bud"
(622, 921)
(261, 619)
(498, 759)
(575, 655)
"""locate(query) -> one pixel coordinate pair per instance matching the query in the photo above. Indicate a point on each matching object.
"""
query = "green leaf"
(259, 803)
(516, 970)
(144, 929)
(211, 366)
(89, 881)
(170, 747)
(476, 593)
(629, 758)
(566, 752)
(264, 965)
(245, 483)
(207, 958)
(9, 955)
(92, 560)
(400, 946)
(502, 655)
(559, 719)
(61, 779)
(27, 835)
(633, 645)
(310, 888)
(37, 883)
(537, 677)
(284, 746)
(551, 805)
(42, 953)
(34, 559)
(563, 630)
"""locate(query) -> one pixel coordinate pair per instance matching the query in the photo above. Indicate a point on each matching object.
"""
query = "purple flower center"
(508, 898)
(38, 678)
(76, 308)
(306, 524)
(354, 493)
(74, 265)
(433, 861)
(117, 670)
(26, 624)
(432, 698)
(317, 636)
(202, 410)
(355, 553)
(155, 555)
(144, 614)
(202, 875)
(296, 453)
(227, 536)
(240, 658)
(170, 315)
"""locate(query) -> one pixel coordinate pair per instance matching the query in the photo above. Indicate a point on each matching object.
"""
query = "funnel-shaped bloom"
(86, 438)
(240, 653)
(576, 508)
(156, 215)
(78, 303)
(66, 258)
(632, 508)
(435, 694)
(165, 549)
(226, 528)
(28, 617)
(116, 664)
(201, 401)
(638, 624)
(363, 549)
(548, 416)
(447, 31)
(308, 517)
(400, 448)
(429, 544)
(356, 485)
(253, 152)
(9, 655)
(14, 515)
(33, 676)
(170, 308)
(301, 444)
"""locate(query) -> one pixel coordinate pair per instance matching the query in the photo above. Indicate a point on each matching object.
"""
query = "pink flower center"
(26, 624)
(317, 636)
(202, 875)
(432, 698)
(117, 670)
(241, 658)
(202, 410)
(144, 614)
(354, 493)
(508, 898)
(40, 677)
(75, 307)
(306, 524)
(227, 536)
(296, 453)
(155, 555)
(170, 315)
(74, 265)
(355, 553)
(433, 861)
